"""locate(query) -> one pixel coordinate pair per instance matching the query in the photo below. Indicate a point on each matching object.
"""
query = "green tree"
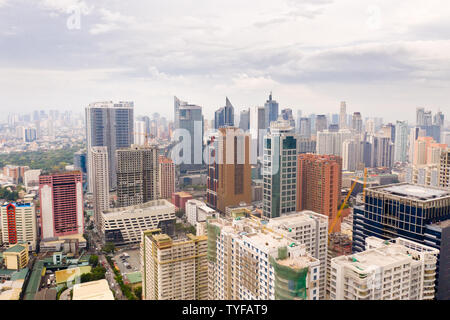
(93, 260)
(138, 292)
(109, 247)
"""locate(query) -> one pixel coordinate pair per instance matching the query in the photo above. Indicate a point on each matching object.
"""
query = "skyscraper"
(321, 123)
(357, 122)
(141, 132)
(444, 168)
(280, 170)
(319, 184)
(166, 177)
(224, 116)
(244, 120)
(257, 127)
(382, 152)
(137, 175)
(61, 196)
(99, 156)
(271, 108)
(401, 141)
(305, 127)
(343, 116)
(18, 224)
(110, 125)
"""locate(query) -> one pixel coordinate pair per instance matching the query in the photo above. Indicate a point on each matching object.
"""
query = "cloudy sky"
(385, 58)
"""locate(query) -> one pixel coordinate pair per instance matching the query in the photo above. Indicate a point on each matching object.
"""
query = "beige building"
(125, 225)
(93, 290)
(444, 169)
(166, 177)
(100, 188)
(18, 224)
(173, 269)
(16, 257)
(399, 269)
(249, 261)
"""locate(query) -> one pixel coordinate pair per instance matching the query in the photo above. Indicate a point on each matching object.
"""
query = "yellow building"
(93, 290)
(62, 276)
(16, 257)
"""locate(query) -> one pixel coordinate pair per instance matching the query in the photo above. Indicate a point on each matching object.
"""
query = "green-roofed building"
(134, 279)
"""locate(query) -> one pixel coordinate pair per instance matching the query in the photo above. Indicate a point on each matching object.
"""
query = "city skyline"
(300, 50)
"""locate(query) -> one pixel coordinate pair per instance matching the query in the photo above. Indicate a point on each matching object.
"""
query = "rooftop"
(93, 290)
(418, 192)
(134, 277)
(17, 248)
(16, 204)
(141, 208)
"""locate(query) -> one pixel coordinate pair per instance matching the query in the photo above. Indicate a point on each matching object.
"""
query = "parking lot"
(132, 260)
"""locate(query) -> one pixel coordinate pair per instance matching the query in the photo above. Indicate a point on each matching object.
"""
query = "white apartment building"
(329, 142)
(399, 269)
(247, 261)
(444, 169)
(100, 187)
(173, 269)
(197, 211)
(310, 229)
(125, 225)
(18, 224)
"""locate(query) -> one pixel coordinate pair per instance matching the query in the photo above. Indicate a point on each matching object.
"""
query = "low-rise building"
(197, 211)
(93, 290)
(16, 257)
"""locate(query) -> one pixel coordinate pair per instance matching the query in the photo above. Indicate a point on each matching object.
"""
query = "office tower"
(137, 175)
(310, 229)
(257, 129)
(321, 123)
(420, 121)
(401, 210)
(401, 142)
(335, 119)
(286, 114)
(382, 152)
(229, 174)
(387, 270)
(343, 116)
(224, 117)
(79, 161)
(350, 155)
(333, 128)
(331, 142)
(319, 184)
(141, 135)
(444, 168)
(61, 199)
(189, 117)
(280, 169)
(110, 125)
(29, 134)
(365, 153)
(306, 145)
(164, 265)
(124, 226)
(100, 169)
(305, 127)
(166, 177)
(244, 120)
(18, 224)
(370, 126)
(297, 126)
(388, 131)
(247, 261)
(271, 111)
(357, 122)
(414, 134)
(197, 211)
(438, 119)
(312, 120)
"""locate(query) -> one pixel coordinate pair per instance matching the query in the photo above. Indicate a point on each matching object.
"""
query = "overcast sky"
(385, 58)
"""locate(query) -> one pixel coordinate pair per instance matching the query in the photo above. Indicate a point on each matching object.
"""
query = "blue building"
(224, 117)
(407, 211)
(271, 111)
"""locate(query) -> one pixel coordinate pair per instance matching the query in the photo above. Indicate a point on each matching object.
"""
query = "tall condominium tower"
(382, 152)
(305, 127)
(321, 123)
(357, 122)
(444, 169)
(249, 262)
(257, 127)
(401, 141)
(137, 175)
(141, 132)
(408, 211)
(166, 177)
(18, 224)
(271, 108)
(229, 174)
(110, 125)
(244, 120)
(329, 142)
(280, 169)
(387, 270)
(319, 184)
(174, 269)
(100, 169)
(343, 116)
(224, 117)
(61, 196)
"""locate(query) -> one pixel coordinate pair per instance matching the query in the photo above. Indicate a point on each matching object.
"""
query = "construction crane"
(146, 137)
(330, 231)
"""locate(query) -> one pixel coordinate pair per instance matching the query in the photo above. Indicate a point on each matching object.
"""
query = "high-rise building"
(444, 168)
(438, 119)
(197, 211)
(414, 134)
(332, 142)
(305, 127)
(257, 129)
(280, 170)
(350, 155)
(229, 174)
(382, 152)
(141, 134)
(321, 123)
(61, 199)
(165, 263)
(80, 161)
(29, 134)
(297, 125)
(319, 184)
(357, 122)
(310, 229)
(166, 177)
(18, 224)
(100, 169)
(271, 111)
(343, 116)
(286, 114)
(402, 210)
(387, 270)
(137, 175)
(248, 262)
(244, 120)
(224, 117)
(110, 125)
(401, 142)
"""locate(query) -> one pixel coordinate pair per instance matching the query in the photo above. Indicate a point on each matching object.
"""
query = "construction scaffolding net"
(213, 233)
(290, 283)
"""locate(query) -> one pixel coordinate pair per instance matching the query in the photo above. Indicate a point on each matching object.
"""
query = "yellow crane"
(146, 137)
(330, 231)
